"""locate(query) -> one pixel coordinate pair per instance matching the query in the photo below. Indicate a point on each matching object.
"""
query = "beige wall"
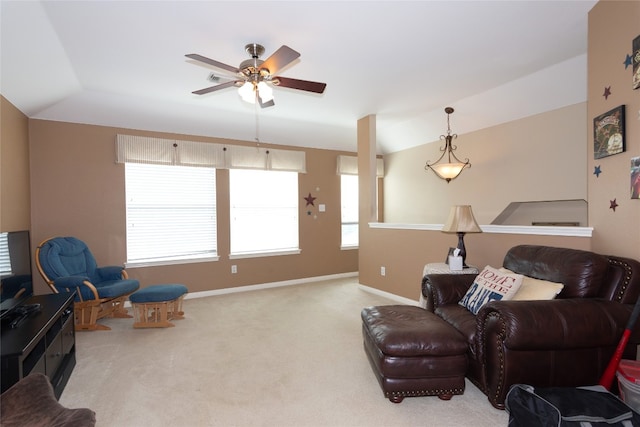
(542, 157)
(612, 27)
(78, 190)
(15, 205)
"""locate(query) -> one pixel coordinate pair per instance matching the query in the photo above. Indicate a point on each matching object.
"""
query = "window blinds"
(5, 260)
(171, 213)
(264, 211)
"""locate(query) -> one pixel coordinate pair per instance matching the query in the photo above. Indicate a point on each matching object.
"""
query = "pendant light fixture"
(452, 167)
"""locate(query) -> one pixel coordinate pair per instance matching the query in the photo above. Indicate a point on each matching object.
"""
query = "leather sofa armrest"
(553, 325)
(517, 340)
(443, 289)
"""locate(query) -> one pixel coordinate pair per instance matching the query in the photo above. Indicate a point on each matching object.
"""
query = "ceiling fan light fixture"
(246, 92)
(265, 92)
(255, 77)
(250, 91)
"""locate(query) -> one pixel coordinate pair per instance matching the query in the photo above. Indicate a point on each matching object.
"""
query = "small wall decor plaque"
(635, 177)
(636, 62)
(608, 133)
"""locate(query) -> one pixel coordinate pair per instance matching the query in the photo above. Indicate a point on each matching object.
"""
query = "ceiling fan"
(254, 77)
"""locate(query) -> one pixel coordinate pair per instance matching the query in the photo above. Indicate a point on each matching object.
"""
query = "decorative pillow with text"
(490, 285)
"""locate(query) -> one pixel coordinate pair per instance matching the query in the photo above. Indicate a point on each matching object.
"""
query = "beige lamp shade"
(461, 220)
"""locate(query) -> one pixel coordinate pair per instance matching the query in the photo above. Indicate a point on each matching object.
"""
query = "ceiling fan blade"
(299, 84)
(280, 59)
(216, 87)
(212, 62)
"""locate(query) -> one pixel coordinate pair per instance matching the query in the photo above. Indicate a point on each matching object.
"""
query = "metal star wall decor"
(607, 92)
(628, 61)
(310, 200)
(613, 204)
(597, 171)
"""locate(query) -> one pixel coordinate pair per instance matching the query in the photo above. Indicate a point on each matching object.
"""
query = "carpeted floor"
(288, 356)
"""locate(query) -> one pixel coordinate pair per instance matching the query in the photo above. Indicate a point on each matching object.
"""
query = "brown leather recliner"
(564, 342)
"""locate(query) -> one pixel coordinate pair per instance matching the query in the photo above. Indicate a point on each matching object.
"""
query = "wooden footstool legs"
(156, 305)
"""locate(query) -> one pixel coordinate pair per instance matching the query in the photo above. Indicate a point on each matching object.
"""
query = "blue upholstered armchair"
(67, 265)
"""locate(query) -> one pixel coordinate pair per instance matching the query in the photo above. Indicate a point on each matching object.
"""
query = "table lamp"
(461, 221)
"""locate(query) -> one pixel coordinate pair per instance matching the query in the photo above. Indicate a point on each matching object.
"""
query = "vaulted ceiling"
(122, 63)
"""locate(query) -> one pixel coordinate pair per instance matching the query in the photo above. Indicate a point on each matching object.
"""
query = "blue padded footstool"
(155, 305)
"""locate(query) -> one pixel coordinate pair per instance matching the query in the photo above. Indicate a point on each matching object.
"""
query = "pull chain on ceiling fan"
(255, 77)
(257, 111)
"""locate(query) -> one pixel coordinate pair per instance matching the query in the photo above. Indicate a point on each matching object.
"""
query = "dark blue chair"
(67, 265)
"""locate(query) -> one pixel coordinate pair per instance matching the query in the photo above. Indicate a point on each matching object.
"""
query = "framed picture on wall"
(635, 177)
(608, 133)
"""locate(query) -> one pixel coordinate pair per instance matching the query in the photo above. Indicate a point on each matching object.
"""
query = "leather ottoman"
(413, 352)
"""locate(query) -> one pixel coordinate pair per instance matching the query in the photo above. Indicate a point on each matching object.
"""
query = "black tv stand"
(43, 340)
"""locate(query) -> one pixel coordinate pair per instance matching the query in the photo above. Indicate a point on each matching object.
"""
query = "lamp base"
(463, 251)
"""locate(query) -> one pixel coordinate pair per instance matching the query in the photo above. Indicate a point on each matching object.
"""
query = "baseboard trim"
(306, 280)
(247, 288)
(389, 295)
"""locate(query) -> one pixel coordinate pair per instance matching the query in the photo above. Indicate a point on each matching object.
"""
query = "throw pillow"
(535, 289)
(490, 285)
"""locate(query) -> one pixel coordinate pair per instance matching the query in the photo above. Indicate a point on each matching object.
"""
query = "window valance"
(348, 165)
(143, 149)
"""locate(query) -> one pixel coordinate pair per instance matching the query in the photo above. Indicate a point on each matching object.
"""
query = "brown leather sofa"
(564, 342)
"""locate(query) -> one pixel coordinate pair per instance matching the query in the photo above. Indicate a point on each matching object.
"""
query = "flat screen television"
(16, 284)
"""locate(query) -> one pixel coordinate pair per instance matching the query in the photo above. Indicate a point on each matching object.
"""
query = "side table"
(443, 268)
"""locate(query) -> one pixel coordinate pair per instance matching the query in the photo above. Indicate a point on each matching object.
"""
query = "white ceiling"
(122, 63)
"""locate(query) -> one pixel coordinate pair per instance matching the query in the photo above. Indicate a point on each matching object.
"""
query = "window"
(347, 168)
(5, 260)
(171, 213)
(264, 211)
(349, 210)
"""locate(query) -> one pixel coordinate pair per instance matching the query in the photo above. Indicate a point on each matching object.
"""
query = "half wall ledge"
(497, 229)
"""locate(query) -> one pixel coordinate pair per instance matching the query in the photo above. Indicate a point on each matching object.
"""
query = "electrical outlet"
(383, 271)
(234, 269)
